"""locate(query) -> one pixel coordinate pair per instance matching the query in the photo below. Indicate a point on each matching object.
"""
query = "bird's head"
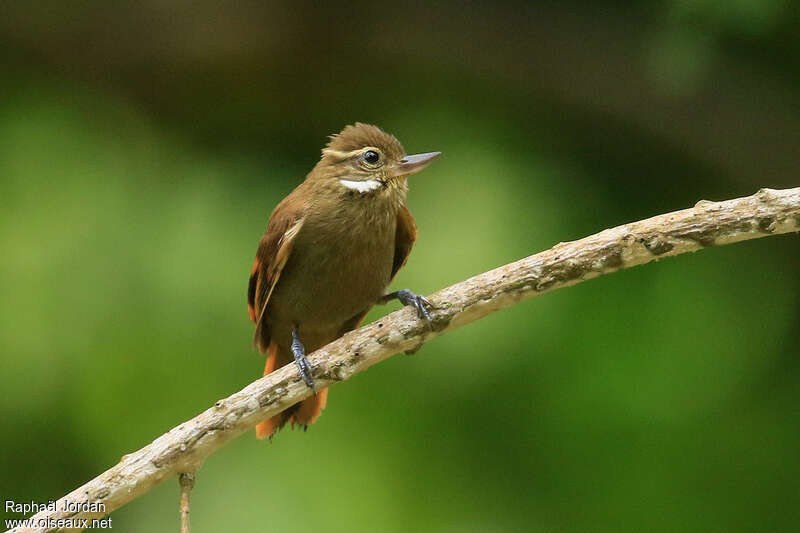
(365, 159)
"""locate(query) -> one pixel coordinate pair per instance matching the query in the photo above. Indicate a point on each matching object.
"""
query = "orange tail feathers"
(309, 409)
(268, 427)
(304, 413)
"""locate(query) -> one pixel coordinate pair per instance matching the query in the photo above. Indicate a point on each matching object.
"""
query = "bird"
(329, 253)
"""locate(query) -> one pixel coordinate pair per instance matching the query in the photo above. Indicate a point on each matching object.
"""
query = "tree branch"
(184, 448)
(186, 481)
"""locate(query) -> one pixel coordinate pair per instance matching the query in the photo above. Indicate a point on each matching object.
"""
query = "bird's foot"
(299, 352)
(417, 301)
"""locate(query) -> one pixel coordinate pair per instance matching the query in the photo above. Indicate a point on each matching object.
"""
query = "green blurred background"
(143, 146)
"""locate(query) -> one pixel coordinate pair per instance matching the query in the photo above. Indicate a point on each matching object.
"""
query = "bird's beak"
(411, 164)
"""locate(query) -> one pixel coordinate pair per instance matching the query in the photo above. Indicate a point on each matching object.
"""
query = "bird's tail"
(303, 413)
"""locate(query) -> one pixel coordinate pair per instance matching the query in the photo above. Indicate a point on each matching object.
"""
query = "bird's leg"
(406, 297)
(299, 352)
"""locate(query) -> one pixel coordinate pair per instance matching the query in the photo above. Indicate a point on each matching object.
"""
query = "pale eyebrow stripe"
(339, 154)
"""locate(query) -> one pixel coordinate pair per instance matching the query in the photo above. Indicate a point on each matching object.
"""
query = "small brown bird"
(329, 253)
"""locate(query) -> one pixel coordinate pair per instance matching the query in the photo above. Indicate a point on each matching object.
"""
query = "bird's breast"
(340, 265)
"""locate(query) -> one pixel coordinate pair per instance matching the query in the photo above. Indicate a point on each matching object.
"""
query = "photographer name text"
(71, 507)
(67, 506)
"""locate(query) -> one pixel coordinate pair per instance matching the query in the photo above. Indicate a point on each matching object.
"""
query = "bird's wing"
(404, 238)
(273, 252)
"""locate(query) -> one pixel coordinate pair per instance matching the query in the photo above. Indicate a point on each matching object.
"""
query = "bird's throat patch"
(361, 186)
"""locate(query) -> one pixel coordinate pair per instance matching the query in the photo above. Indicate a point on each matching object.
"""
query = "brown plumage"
(331, 248)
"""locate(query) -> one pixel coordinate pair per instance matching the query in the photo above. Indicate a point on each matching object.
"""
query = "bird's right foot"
(299, 352)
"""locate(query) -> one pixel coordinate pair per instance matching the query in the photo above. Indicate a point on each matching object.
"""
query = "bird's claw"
(417, 301)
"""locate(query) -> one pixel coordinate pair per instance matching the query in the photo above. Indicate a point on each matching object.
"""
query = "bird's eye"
(372, 157)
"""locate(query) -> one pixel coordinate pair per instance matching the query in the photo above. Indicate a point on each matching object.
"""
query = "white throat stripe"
(361, 186)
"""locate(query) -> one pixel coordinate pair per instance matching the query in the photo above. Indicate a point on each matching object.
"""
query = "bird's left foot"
(417, 301)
